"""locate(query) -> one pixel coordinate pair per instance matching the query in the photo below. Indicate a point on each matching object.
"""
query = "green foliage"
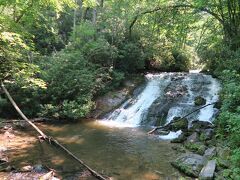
(131, 57)
(71, 83)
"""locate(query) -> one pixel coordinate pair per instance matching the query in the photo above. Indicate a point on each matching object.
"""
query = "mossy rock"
(189, 164)
(179, 124)
(199, 101)
(198, 148)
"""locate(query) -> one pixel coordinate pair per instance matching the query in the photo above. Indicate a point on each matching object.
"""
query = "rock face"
(189, 164)
(207, 172)
(111, 100)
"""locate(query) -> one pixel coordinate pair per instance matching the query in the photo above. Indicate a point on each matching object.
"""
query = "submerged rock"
(207, 172)
(39, 168)
(199, 101)
(189, 164)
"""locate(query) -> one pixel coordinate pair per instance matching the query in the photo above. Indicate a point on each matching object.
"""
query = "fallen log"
(49, 139)
(165, 126)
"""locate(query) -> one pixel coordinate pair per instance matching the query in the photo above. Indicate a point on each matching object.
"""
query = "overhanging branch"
(201, 9)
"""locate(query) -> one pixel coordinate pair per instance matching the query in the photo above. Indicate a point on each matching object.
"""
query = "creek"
(118, 144)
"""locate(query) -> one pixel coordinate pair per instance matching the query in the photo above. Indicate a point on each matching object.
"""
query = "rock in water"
(207, 172)
(189, 164)
(200, 125)
(199, 101)
(178, 124)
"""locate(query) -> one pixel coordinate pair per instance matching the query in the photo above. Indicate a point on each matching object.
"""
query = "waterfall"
(173, 93)
(133, 111)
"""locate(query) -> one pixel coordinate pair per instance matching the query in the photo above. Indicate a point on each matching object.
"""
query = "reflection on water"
(120, 153)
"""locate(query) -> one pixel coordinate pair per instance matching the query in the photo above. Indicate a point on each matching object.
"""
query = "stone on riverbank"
(207, 172)
(200, 125)
(178, 124)
(210, 153)
(189, 164)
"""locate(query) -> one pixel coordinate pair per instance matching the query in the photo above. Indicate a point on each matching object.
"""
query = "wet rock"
(200, 125)
(39, 168)
(189, 164)
(210, 152)
(3, 159)
(180, 139)
(161, 132)
(193, 138)
(207, 172)
(9, 169)
(26, 168)
(178, 124)
(199, 101)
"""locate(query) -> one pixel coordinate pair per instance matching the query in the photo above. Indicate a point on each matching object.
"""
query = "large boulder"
(207, 172)
(189, 164)
(199, 101)
(178, 124)
(200, 125)
(180, 139)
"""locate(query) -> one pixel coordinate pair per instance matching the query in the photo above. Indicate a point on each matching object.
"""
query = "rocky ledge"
(200, 156)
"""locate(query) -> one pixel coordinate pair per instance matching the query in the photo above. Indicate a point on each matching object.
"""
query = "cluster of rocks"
(199, 154)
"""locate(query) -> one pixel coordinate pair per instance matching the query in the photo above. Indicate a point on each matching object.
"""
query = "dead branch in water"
(49, 139)
(162, 127)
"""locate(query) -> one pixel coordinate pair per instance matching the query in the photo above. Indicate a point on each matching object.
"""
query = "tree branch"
(202, 9)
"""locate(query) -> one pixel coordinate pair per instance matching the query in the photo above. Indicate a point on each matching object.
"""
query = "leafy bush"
(71, 82)
(131, 57)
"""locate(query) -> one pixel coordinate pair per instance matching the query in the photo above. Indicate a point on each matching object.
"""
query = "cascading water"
(167, 95)
(133, 111)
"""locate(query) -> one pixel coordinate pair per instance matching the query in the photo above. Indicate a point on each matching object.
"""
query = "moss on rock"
(199, 101)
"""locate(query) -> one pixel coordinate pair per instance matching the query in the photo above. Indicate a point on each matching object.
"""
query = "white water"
(207, 114)
(135, 110)
(134, 114)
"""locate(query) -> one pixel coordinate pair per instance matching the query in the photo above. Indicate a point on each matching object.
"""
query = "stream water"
(118, 145)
